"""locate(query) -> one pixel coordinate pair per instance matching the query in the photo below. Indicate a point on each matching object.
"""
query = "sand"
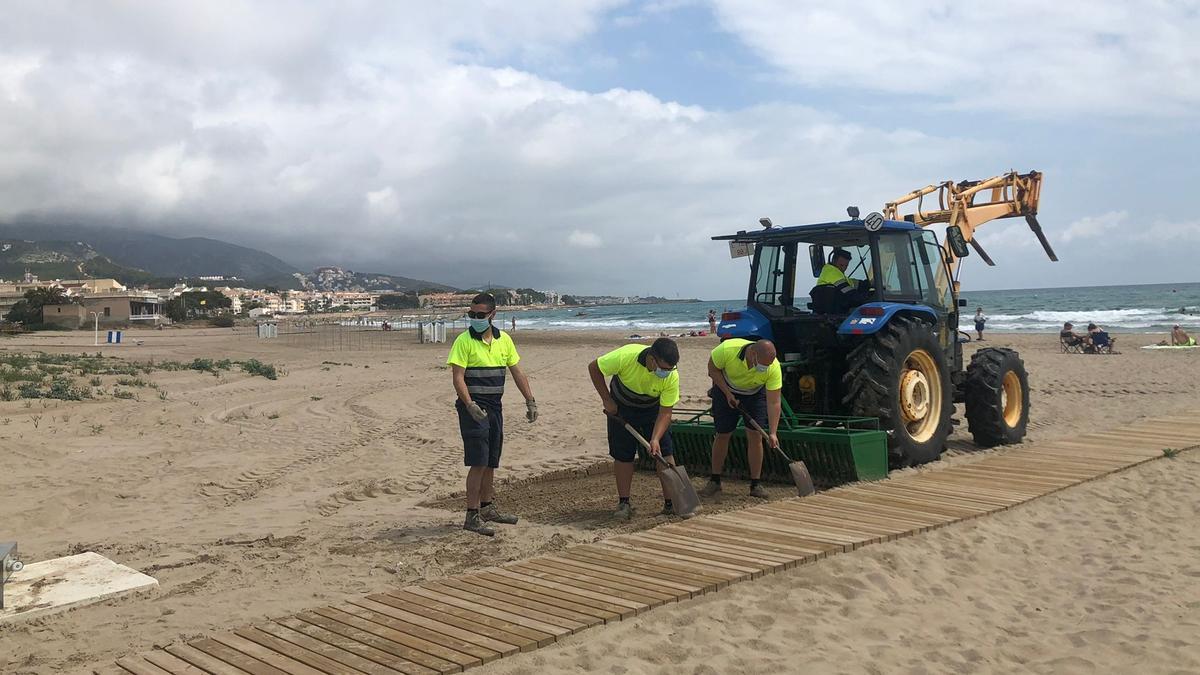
(250, 498)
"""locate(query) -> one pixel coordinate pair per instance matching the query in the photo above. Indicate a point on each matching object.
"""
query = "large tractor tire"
(900, 376)
(997, 395)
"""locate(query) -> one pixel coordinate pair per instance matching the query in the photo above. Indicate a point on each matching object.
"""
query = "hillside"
(157, 255)
(337, 279)
(63, 260)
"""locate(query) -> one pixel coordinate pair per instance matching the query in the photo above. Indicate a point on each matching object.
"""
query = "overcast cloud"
(443, 141)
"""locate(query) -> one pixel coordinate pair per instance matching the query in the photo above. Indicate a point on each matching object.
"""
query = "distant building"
(446, 300)
(118, 308)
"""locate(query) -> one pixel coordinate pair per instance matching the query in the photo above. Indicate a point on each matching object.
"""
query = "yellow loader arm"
(969, 204)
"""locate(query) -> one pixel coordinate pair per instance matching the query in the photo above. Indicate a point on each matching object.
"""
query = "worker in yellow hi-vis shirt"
(643, 391)
(745, 374)
(478, 361)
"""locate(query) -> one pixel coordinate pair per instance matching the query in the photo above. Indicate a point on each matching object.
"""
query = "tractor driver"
(848, 291)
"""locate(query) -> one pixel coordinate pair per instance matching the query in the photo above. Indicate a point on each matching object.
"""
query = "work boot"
(624, 511)
(474, 523)
(758, 491)
(491, 515)
(668, 509)
(710, 489)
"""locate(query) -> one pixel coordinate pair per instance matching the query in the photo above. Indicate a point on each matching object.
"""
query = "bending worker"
(477, 362)
(745, 374)
(643, 390)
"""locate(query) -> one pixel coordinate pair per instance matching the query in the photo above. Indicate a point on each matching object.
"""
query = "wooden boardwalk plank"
(486, 646)
(203, 660)
(392, 632)
(270, 657)
(171, 664)
(466, 619)
(300, 624)
(329, 651)
(294, 651)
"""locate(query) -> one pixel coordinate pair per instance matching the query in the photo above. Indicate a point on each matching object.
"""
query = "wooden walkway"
(453, 623)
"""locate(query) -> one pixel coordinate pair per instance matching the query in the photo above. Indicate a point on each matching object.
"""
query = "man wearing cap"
(478, 360)
(745, 375)
(643, 389)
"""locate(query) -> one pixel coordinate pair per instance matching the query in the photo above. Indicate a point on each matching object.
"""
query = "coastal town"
(106, 302)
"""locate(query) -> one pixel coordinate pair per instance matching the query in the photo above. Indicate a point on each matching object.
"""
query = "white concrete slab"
(57, 585)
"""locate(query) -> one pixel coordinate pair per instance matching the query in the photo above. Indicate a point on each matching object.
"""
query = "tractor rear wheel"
(996, 391)
(900, 376)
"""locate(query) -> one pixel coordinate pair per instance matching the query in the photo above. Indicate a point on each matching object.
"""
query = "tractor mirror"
(958, 244)
(817, 257)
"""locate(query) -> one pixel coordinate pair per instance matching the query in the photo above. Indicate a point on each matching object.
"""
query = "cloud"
(580, 239)
(1023, 57)
(372, 137)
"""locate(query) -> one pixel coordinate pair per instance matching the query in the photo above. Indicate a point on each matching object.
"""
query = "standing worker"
(745, 374)
(643, 390)
(980, 321)
(478, 360)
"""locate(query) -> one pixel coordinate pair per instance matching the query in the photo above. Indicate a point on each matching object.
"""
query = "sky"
(596, 146)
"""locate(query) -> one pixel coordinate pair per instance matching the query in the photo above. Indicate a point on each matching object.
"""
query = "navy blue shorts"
(726, 419)
(622, 446)
(482, 441)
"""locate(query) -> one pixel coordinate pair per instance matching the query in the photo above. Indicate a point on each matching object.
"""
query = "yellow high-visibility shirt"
(628, 365)
(730, 357)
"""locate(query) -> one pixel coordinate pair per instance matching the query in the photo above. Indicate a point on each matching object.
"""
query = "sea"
(1152, 308)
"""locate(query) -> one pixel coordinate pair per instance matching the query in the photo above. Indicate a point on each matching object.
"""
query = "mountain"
(63, 260)
(337, 279)
(134, 251)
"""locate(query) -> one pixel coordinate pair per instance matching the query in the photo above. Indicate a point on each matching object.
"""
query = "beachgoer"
(748, 375)
(980, 320)
(477, 361)
(514, 324)
(1097, 337)
(643, 389)
(1069, 337)
(712, 321)
(1180, 338)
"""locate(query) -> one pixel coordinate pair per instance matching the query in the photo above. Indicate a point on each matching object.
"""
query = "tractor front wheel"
(997, 397)
(900, 376)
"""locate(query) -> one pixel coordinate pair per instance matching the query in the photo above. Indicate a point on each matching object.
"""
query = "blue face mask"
(761, 368)
(661, 373)
(480, 325)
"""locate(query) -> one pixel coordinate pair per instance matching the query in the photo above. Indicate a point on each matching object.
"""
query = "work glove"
(531, 410)
(478, 414)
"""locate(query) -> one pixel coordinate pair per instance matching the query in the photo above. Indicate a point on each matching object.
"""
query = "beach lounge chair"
(1070, 344)
(1101, 344)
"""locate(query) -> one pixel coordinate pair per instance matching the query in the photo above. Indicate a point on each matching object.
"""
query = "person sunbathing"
(1179, 338)
(1097, 337)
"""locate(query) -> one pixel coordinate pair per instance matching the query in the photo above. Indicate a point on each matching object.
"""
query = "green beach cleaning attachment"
(836, 450)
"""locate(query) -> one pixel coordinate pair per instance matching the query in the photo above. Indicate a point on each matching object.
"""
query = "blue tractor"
(891, 349)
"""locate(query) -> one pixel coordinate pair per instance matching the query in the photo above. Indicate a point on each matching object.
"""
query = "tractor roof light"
(766, 223)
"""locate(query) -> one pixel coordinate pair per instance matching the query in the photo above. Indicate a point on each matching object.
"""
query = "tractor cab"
(895, 268)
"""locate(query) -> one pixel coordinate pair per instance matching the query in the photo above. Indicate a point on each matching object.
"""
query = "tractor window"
(860, 262)
(769, 275)
(900, 268)
(936, 280)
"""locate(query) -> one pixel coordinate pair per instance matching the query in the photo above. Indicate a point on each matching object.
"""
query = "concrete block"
(63, 583)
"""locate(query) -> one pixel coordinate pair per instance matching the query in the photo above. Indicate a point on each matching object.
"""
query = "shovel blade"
(802, 479)
(680, 490)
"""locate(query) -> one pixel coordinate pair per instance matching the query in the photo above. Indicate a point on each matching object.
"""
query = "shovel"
(684, 500)
(800, 475)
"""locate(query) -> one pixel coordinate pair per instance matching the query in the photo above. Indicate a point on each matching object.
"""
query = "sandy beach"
(249, 498)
